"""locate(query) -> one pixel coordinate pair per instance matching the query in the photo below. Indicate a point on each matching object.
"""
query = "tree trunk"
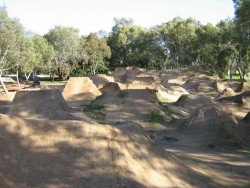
(4, 87)
(27, 76)
(17, 77)
(240, 72)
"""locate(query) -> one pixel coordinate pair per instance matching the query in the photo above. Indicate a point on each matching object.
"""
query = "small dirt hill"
(100, 80)
(127, 105)
(85, 154)
(6, 98)
(40, 104)
(80, 91)
(111, 86)
(125, 74)
(242, 99)
(192, 101)
(212, 125)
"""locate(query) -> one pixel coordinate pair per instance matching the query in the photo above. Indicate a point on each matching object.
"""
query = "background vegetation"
(221, 49)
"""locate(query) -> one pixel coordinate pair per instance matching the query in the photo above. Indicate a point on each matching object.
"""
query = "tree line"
(63, 52)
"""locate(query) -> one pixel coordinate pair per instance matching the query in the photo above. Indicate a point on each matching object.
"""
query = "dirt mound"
(227, 92)
(213, 125)
(191, 102)
(80, 91)
(236, 86)
(6, 98)
(142, 83)
(111, 86)
(125, 74)
(170, 94)
(84, 154)
(127, 105)
(242, 99)
(100, 80)
(41, 104)
(201, 84)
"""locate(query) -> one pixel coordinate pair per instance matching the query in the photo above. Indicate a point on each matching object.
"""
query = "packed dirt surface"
(85, 154)
(41, 104)
(137, 128)
(80, 91)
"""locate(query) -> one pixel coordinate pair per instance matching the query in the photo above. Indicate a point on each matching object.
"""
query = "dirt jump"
(41, 104)
(80, 91)
(85, 154)
(140, 128)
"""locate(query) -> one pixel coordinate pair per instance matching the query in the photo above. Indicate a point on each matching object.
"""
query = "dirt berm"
(84, 154)
(212, 125)
(127, 105)
(40, 104)
(80, 91)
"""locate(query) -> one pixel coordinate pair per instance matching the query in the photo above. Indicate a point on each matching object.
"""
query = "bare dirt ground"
(148, 128)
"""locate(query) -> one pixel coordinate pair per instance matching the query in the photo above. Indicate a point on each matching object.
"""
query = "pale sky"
(40, 16)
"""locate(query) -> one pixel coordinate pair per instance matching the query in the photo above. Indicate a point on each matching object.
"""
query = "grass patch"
(156, 117)
(123, 94)
(94, 111)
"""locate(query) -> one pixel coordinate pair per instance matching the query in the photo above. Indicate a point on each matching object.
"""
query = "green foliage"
(94, 111)
(11, 41)
(156, 117)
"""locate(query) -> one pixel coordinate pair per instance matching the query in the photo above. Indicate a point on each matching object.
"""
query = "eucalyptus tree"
(97, 52)
(65, 41)
(11, 39)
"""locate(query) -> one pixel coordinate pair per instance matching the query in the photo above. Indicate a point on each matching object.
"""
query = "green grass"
(94, 111)
(54, 83)
(156, 117)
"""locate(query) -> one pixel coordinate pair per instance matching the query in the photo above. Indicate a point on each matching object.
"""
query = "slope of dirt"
(80, 91)
(142, 83)
(128, 105)
(5, 101)
(41, 104)
(192, 101)
(242, 99)
(83, 154)
(125, 74)
(100, 80)
(111, 86)
(212, 125)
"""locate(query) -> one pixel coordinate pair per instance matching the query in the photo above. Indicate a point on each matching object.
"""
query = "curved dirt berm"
(125, 74)
(80, 91)
(212, 125)
(85, 154)
(40, 104)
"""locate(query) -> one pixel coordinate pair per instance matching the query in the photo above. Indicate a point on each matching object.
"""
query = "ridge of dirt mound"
(40, 104)
(100, 80)
(125, 74)
(111, 86)
(84, 154)
(192, 101)
(242, 99)
(213, 125)
(142, 83)
(80, 91)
